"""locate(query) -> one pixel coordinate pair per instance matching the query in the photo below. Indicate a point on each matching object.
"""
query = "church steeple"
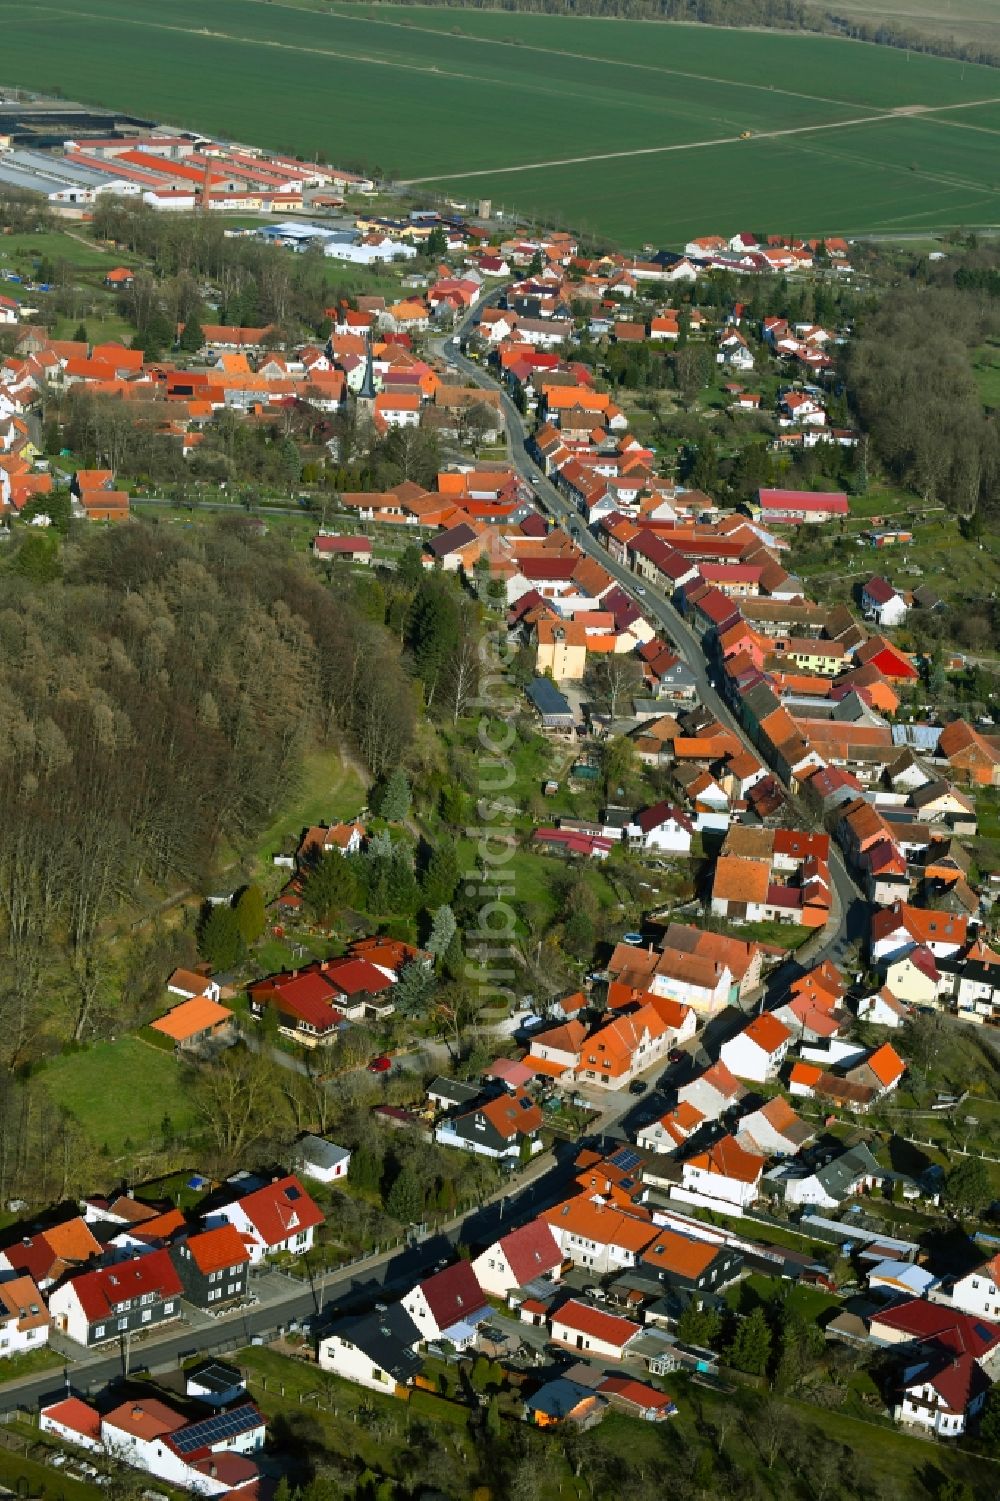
(367, 392)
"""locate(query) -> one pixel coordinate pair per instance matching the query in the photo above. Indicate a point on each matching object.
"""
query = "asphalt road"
(329, 1297)
(851, 926)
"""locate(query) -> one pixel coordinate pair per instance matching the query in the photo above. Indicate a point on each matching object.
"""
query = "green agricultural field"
(629, 130)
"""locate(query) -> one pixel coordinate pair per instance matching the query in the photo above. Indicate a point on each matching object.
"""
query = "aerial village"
(754, 1074)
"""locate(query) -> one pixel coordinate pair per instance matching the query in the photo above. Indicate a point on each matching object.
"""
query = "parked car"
(380, 1065)
(638, 1086)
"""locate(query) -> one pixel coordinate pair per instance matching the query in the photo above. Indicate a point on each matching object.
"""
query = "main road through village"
(848, 924)
(282, 1299)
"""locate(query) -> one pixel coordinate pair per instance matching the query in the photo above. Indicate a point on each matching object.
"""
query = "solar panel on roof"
(219, 1426)
(625, 1158)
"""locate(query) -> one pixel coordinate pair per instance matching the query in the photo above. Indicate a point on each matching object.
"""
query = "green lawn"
(120, 1091)
(539, 97)
(18, 1367)
(19, 250)
(986, 369)
(26, 1477)
(784, 935)
(330, 791)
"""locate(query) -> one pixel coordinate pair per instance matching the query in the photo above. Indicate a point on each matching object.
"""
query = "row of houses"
(123, 1267)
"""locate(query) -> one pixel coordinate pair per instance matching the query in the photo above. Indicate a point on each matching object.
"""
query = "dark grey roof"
(840, 1174)
(557, 1399)
(216, 1376)
(316, 1150)
(450, 540)
(387, 1338)
(455, 1091)
(547, 699)
(761, 701)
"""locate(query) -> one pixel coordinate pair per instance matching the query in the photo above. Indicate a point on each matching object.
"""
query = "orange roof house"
(193, 1022)
(725, 1172)
(969, 755)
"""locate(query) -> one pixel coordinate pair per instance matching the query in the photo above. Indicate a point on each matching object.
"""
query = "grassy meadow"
(552, 111)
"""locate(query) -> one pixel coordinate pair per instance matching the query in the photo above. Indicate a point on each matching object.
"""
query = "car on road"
(640, 590)
(676, 1055)
(380, 1065)
(638, 1086)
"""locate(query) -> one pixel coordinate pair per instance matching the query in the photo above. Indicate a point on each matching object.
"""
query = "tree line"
(784, 15)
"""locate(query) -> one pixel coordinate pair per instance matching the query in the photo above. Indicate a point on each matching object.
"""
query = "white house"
(734, 351)
(592, 1330)
(712, 1093)
(517, 1259)
(978, 1292)
(322, 1159)
(853, 1172)
(882, 1009)
(280, 1216)
(882, 603)
(73, 1422)
(662, 828)
(557, 1050)
(759, 1050)
(148, 1435)
(915, 978)
(695, 981)
(598, 1236)
(203, 1456)
(942, 1393)
(189, 984)
(377, 1351)
(775, 1130)
(724, 1172)
(93, 1307)
(671, 1130)
(24, 1318)
(449, 1304)
(899, 928)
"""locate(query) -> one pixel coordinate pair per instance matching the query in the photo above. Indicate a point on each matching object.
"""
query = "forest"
(910, 380)
(158, 692)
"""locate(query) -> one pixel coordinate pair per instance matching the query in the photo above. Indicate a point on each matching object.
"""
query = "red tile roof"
(214, 1250)
(728, 1159)
(531, 1251)
(281, 1209)
(101, 1291)
(74, 1414)
(607, 1327)
(453, 1294)
(767, 1032)
(933, 1321)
